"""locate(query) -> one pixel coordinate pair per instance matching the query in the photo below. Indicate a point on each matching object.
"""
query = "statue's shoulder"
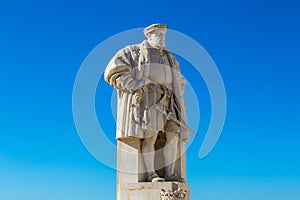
(132, 48)
(129, 52)
(132, 51)
(174, 61)
(171, 55)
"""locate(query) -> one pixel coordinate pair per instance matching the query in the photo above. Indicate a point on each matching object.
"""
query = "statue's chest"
(160, 68)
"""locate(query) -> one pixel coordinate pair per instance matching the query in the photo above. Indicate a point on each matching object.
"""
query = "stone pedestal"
(154, 191)
(131, 174)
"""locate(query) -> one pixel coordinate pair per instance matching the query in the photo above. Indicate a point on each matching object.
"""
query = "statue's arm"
(120, 72)
(182, 83)
(122, 78)
(127, 82)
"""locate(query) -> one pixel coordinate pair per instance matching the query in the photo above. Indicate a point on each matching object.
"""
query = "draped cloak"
(128, 72)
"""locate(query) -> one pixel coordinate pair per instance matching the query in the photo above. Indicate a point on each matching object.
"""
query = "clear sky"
(255, 44)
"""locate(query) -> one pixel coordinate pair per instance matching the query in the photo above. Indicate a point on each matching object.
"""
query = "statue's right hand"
(138, 94)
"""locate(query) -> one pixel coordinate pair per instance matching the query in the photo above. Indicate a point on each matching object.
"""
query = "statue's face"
(157, 38)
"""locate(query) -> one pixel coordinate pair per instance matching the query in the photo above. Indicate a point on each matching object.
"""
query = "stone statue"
(150, 99)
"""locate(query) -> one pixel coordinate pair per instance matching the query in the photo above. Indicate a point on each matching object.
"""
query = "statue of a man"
(150, 98)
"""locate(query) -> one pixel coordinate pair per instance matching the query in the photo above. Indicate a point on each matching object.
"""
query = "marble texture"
(154, 191)
(151, 120)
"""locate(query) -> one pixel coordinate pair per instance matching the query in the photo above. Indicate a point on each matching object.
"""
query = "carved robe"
(147, 77)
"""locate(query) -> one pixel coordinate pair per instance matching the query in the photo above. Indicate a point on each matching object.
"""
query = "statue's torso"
(160, 69)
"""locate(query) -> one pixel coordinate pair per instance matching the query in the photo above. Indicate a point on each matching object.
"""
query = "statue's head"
(155, 34)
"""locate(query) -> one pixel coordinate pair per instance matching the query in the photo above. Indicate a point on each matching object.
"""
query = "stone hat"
(154, 27)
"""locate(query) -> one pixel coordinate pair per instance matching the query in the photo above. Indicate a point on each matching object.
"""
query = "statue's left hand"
(170, 116)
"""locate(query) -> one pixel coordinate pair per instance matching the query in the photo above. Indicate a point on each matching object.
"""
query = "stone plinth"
(154, 191)
(131, 173)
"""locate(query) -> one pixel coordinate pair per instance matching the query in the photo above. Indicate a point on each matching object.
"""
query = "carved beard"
(157, 42)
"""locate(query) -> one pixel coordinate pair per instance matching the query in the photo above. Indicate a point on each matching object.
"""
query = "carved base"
(154, 191)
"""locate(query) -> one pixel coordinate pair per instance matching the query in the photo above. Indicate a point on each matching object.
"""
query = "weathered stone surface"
(151, 120)
(154, 191)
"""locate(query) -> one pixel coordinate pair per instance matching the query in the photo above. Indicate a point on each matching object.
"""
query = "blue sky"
(255, 45)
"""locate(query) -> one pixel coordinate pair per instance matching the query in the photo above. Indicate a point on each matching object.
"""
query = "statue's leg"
(148, 151)
(170, 155)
